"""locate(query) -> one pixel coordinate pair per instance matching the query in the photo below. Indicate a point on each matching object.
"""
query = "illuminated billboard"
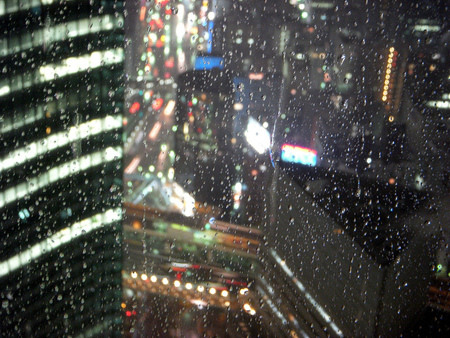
(207, 62)
(297, 154)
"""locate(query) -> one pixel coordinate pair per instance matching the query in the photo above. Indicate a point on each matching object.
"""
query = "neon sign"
(296, 154)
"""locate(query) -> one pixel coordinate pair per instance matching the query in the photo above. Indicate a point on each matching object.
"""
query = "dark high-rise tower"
(61, 94)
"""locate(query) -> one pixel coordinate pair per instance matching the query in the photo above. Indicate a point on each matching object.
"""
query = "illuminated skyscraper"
(61, 93)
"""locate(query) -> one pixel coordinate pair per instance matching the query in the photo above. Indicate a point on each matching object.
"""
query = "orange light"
(137, 225)
(142, 14)
(256, 76)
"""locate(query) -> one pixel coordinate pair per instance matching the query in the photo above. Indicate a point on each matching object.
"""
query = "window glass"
(224, 168)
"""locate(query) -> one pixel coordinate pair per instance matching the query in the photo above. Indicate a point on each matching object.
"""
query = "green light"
(439, 267)
(194, 100)
(207, 226)
(151, 168)
(304, 15)
(180, 227)
(140, 169)
(322, 85)
(174, 128)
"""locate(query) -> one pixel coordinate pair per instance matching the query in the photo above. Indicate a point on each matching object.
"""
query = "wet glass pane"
(224, 168)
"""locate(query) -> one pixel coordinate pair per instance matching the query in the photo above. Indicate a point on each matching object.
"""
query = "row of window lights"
(19, 5)
(66, 67)
(49, 35)
(58, 173)
(188, 286)
(59, 238)
(58, 140)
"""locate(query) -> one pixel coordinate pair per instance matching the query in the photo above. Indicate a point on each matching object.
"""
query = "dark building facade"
(61, 97)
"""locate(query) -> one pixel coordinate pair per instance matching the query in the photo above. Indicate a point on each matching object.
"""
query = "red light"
(169, 63)
(233, 282)
(134, 107)
(157, 103)
(128, 313)
(159, 44)
(177, 269)
(199, 130)
(190, 104)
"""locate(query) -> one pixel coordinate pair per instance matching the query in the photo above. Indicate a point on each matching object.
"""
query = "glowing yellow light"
(177, 283)
(165, 281)
(212, 291)
(243, 291)
(391, 118)
(153, 279)
(123, 305)
(391, 49)
(134, 274)
(224, 293)
(200, 288)
(144, 276)
(384, 98)
(188, 286)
